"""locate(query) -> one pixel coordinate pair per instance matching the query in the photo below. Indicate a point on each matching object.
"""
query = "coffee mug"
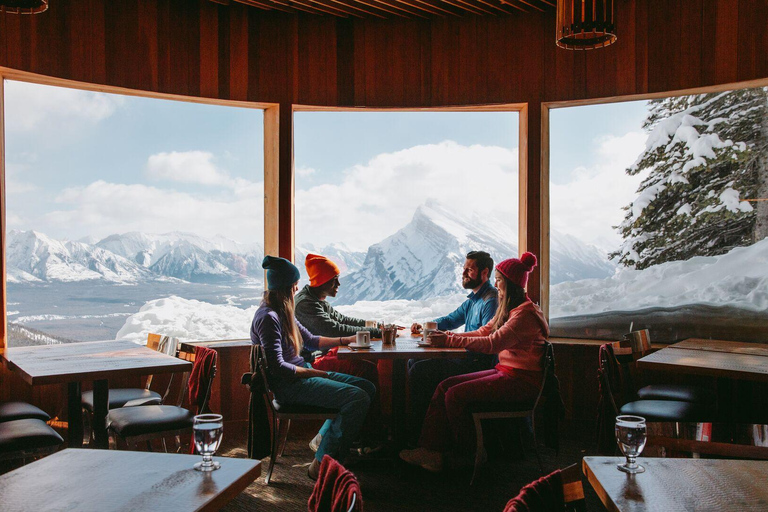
(370, 323)
(363, 338)
(429, 328)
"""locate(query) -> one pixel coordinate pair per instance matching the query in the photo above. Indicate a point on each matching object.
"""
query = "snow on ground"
(195, 320)
(738, 278)
(403, 312)
(188, 320)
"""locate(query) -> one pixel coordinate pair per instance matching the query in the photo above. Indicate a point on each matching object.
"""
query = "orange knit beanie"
(320, 269)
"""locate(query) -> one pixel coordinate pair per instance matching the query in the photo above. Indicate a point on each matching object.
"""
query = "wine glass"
(631, 437)
(208, 429)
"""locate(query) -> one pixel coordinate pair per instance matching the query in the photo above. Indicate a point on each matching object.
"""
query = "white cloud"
(588, 205)
(103, 208)
(187, 167)
(305, 172)
(376, 199)
(13, 183)
(41, 107)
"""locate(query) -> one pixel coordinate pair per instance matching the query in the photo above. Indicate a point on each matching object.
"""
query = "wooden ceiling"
(399, 8)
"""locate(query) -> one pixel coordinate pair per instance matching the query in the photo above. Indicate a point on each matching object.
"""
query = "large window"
(130, 215)
(666, 203)
(397, 199)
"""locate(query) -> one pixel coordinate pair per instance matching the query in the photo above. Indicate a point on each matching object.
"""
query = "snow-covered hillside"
(738, 278)
(425, 258)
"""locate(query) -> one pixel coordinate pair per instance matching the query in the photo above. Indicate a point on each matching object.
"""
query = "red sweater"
(519, 342)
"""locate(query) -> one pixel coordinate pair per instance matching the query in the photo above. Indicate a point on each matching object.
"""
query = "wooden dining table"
(406, 346)
(96, 361)
(111, 480)
(713, 358)
(680, 484)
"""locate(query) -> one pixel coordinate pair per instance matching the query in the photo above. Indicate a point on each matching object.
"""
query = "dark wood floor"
(393, 486)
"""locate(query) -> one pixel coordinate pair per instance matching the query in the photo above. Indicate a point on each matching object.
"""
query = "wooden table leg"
(74, 415)
(399, 367)
(100, 411)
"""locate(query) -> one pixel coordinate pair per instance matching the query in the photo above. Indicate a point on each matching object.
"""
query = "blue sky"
(81, 163)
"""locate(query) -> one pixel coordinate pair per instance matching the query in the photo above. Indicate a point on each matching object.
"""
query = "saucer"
(359, 347)
(422, 344)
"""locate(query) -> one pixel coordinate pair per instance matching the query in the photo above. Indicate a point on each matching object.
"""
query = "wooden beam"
(286, 216)
(429, 7)
(513, 5)
(272, 180)
(3, 204)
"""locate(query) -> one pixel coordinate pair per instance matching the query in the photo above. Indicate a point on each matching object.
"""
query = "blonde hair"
(514, 295)
(281, 301)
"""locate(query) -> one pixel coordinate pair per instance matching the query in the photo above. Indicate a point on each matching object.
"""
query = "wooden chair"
(131, 397)
(282, 414)
(498, 410)
(142, 424)
(543, 495)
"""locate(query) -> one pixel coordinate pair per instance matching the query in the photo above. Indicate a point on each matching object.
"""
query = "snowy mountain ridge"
(426, 257)
(423, 259)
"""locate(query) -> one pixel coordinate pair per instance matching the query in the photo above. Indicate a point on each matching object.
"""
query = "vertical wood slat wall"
(198, 48)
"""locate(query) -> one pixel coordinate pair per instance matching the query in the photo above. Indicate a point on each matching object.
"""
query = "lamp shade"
(23, 6)
(585, 24)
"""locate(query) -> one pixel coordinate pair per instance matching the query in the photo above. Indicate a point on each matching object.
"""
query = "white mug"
(363, 338)
(370, 323)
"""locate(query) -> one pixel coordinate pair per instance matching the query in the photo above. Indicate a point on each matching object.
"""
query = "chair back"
(204, 379)
(259, 371)
(169, 346)
(549, 394)
(573, 488)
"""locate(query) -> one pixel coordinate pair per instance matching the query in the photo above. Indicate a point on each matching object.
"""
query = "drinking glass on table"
(208, 430)
(631, 437)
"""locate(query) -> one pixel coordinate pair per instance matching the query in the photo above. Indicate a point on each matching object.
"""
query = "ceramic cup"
(363, 338)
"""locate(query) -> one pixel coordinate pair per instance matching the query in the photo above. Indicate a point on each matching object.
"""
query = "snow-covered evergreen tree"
(705, 156)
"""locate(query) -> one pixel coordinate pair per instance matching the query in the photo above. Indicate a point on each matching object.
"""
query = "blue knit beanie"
(281, 273)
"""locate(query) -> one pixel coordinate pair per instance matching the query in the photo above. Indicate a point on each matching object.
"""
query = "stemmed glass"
(208, 430)
(631, 436)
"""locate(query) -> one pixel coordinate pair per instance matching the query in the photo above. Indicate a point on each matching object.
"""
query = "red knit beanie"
(517, 270)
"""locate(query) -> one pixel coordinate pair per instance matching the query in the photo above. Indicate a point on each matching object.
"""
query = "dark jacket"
(319, 317)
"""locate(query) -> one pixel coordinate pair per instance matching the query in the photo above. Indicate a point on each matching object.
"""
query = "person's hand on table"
(438, 338)
(346, 340)
(415, 328)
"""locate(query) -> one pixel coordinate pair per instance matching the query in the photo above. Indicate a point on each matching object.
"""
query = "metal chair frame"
(281, 421)
(478, 417)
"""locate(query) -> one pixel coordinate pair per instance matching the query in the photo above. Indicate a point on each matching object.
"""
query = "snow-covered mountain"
(348, 260)
(425, 258)
(130, 258)
(33, 256)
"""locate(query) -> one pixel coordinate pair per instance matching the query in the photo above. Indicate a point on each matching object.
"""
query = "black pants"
(424, 375)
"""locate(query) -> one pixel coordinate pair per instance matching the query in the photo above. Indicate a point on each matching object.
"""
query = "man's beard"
(471, 284)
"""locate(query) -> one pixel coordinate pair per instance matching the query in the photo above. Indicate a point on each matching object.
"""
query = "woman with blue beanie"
(291, 378)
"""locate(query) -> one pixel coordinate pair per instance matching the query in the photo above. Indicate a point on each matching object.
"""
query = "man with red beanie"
(517, 334)
(319, 317)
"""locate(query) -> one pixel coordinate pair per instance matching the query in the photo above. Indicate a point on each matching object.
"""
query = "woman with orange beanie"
(517, 334)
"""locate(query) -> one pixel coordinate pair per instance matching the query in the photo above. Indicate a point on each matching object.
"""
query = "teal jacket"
(473, 313)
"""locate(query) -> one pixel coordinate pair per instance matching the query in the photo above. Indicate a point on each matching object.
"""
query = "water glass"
(631, 437)
(208, 430)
